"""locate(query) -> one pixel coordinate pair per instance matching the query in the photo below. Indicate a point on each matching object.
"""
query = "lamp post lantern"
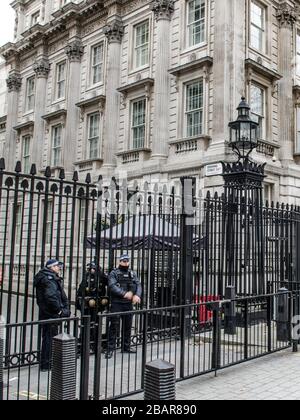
(243, 131)
(243, 207)
(243, 175)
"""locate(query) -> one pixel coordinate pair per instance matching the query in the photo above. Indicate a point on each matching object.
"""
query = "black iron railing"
(185, 248)
(23, 376)
(191, 337)
(194, 338)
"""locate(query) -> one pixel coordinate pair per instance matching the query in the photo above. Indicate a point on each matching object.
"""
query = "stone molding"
(286, 15)
(114, 31)
(163, 9)
(41, 68)
(74, 51)
(14, 82)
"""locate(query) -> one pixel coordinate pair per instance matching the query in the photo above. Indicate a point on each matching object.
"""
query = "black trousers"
(49, 331)
(114, 327)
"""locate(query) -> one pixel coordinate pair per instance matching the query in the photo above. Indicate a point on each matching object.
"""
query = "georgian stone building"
(149, 86)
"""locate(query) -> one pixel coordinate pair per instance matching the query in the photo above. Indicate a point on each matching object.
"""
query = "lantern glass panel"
(245, 132)
(254, 134)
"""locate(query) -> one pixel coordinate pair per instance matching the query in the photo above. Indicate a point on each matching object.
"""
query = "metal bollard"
(2, 325)
(160, 381)
(282, 316)
(64, 362)
(230, 311)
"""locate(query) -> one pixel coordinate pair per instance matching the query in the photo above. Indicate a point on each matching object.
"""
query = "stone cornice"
(192, 65)
(114, 31)
(96, 100)
(70, 11)
(163, 9)
(41, 68)
(269, 74)
(287, 14)
(28, 125)
(136, 85)
(8, 50)
(14, 82)
(74, 50)
(60, 113)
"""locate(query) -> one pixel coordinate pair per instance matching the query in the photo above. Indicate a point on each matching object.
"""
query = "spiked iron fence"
(185, 248)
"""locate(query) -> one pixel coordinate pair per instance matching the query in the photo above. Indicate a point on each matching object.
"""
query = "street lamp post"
(243, 214)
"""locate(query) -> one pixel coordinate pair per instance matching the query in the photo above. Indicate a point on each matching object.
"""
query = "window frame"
(49, 222)
(53, 163)
(187, 24)
(28, 108)
(134, 66)
(89, 139)
(264, 116)
(297, 132)
(92, 65)
(187, 112)
(265, 29)
(133, 127)
(28, 137)
(58, 82)
(35, 16)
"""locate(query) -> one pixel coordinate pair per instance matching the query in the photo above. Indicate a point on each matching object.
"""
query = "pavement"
(273, 377)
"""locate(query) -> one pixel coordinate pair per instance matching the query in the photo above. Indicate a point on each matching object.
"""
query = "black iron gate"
(184, 247)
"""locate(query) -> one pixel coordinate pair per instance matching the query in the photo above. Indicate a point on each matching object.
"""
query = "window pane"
(49, 222)
(30, 100)
(97, 63)
(194, 108)
(26, 154)
(61, 70)
(56, 145)
(139, 123)
(142, 44)
(94, 136)
(196, 21)
(257, 36)
(258, 108)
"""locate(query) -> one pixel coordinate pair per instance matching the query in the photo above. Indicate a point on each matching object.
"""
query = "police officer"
(53, 304)
(91, 297)
(125, 291)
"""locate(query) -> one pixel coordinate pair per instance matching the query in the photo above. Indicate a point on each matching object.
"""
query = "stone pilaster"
(163, 10)
(286, 16)
(74, 51)
(229, 78)
(14, 83)
(114, 32)
(41, 68)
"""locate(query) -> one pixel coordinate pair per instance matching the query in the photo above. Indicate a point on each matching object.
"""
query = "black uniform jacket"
(50, 294)
(117, 292)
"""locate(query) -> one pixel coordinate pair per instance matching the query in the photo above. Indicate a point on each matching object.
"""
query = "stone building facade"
(3, 105)
(149, 86)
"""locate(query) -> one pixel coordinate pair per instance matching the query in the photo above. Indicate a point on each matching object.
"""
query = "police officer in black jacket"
(91, 297)
(125, 291)
(53, 304)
